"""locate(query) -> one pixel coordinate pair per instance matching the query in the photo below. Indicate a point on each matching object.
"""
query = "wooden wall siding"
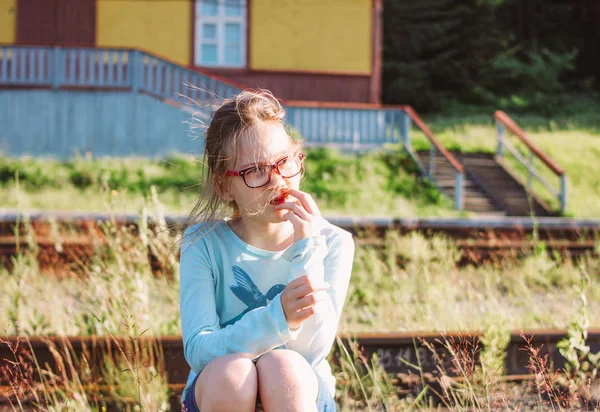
(76, 21)
(71, 22)
(65, 122)
(60, 123)
(327, 36)
(306, 86)
(36, 21)
(163, 27)
(8, 17)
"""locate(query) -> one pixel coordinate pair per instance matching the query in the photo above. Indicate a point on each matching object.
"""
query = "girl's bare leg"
(286, 382)
(227, 383)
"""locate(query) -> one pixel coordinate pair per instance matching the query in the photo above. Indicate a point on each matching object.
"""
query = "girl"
(261, 291)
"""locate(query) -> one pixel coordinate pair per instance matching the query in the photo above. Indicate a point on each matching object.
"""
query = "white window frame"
(219, 21)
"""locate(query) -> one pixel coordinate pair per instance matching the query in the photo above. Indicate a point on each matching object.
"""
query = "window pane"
(209, 54)
(233, 56)
(209, 7)
(233, 33)
(233, 7)
(209, 31)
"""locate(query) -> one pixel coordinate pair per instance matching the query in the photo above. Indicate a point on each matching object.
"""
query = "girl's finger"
(311, 300)
(294, 207)
(307, 289)
(306, 200)
(293, 219)
(304, 314)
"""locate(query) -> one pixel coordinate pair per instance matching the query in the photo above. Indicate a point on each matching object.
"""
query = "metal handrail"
(504, 121)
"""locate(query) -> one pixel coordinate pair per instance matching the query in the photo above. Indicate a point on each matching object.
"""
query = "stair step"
(487, 172)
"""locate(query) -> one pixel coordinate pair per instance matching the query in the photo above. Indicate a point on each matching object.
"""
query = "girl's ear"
(222, 189)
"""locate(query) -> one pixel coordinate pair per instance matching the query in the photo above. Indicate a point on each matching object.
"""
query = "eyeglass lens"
(261, 174)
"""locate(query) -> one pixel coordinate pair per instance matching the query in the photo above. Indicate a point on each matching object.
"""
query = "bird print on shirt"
(247, 292)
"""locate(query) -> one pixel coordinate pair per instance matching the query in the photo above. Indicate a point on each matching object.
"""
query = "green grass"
(374, 184)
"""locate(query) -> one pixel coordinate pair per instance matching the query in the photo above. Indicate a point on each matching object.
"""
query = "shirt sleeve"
(257, 332)
(332, 262)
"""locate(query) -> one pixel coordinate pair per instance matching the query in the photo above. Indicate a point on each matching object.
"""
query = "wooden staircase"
(489, 188)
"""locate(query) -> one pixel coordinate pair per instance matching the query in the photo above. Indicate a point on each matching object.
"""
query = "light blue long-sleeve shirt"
(230, 296)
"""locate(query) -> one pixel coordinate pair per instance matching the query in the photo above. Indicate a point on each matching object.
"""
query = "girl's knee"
(287, 368)
(232, 367)
(229, 379)
(283, 358)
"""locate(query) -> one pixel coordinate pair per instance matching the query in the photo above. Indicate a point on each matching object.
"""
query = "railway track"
(398, 353)
(61, 239)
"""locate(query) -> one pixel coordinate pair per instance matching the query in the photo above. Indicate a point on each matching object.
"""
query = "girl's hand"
(299, 299)
(304, 215)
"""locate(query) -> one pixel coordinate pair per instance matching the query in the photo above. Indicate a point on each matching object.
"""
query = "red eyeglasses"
(260, 175)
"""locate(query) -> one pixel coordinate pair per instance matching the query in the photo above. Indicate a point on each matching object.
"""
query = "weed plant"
(119, 294)
(130, 378)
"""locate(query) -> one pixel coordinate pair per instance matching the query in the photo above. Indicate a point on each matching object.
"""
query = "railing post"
(58, 66)
(530, 170)
(458, 191)
(500, 137)
(432, 161)
(563, 192)
(136, 71)
(404, 127)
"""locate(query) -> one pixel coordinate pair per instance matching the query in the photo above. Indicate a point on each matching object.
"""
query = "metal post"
(432, 162)
(458, 191)
(563, 193)
(405, 129)
(530, 170)
(500, 137)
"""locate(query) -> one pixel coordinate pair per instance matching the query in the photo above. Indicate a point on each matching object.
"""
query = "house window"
(220, 33)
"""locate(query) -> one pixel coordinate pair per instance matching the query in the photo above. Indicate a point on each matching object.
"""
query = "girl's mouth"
(279, 199)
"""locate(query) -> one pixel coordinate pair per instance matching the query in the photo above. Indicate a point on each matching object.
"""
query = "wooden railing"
(503, 121)
(108, 69)
(360, 125)
(349, 125)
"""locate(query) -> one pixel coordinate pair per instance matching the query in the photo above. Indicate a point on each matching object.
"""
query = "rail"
(503, 121)
(361, 125)
(126, 69)
(397, 353)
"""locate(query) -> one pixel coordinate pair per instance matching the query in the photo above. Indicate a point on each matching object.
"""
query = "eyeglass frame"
(274, 166)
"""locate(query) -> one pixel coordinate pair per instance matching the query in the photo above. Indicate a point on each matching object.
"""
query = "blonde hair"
(233, 120)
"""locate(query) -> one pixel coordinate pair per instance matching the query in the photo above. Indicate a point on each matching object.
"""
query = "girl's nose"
(275, 176)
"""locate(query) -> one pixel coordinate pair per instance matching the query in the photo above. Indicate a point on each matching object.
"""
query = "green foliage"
(531, 83)
(331, 176)
(357, 182)
(33, 174)
(495, 340)
(503, 53)
(402, 179)
(133, 175)
(581, 364)
(539, 73)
